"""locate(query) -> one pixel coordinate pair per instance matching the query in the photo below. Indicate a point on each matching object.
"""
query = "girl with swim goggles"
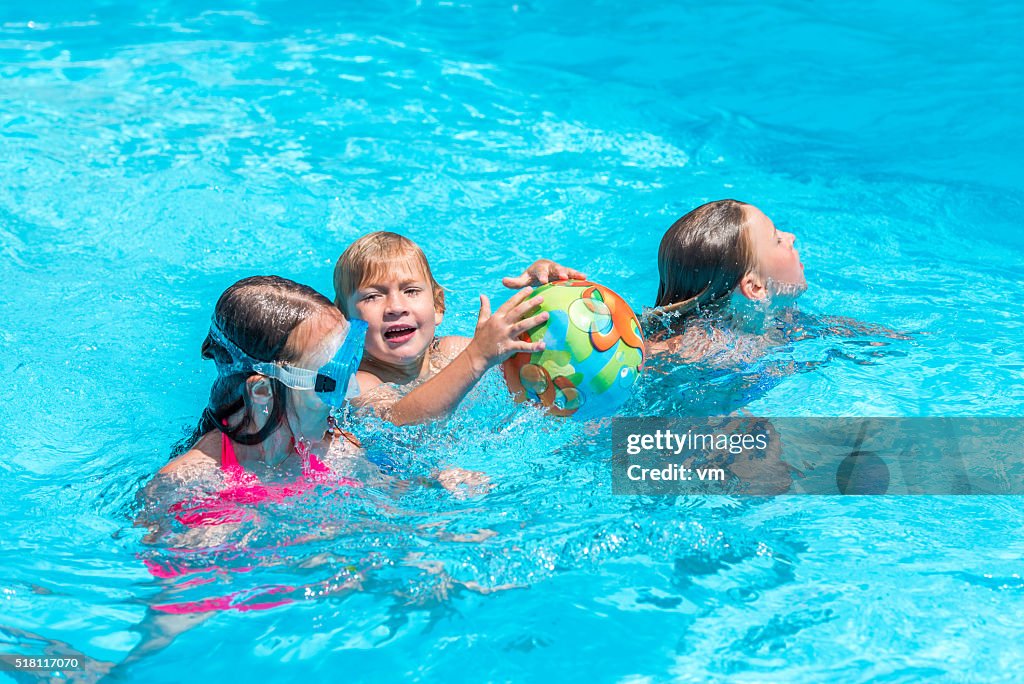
(285, 357)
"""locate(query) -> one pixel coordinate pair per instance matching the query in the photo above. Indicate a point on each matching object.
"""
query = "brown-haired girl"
(285, 356)
(718, 255)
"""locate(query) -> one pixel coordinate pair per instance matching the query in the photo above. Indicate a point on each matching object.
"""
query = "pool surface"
(154, 153)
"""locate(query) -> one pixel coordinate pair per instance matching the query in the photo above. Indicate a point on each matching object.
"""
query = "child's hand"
(542, 272)
(497, 335)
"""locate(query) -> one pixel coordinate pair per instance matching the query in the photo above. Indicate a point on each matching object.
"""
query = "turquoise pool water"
(153, 154)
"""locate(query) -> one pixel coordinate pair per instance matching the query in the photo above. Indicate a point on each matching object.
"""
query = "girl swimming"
(718, 259)
(285, 355)
(723, 248)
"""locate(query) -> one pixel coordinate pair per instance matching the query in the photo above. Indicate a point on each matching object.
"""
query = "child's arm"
(542, 272)
(496, 339)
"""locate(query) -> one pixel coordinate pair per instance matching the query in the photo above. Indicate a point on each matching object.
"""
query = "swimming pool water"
(154, 153)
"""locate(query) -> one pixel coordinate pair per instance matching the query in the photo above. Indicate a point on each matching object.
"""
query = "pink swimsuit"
(233, 505)
(244, 488)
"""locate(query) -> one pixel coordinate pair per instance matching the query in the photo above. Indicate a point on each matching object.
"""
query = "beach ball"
(592, 356)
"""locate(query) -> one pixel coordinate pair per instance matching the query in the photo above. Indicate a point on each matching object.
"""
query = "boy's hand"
(497, 334)
(542, 272)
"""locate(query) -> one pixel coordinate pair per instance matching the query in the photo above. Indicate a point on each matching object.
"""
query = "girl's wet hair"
(258, 315)
(374, 256)
(703, 257)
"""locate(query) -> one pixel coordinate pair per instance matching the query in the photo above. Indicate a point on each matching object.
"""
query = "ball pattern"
(593, 352)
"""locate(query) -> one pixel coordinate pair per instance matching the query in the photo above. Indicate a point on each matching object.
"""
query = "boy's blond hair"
(371, 258)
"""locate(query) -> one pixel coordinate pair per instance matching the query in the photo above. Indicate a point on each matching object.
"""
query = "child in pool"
(384, 279)
(273, 341)
(725, 258)
(285, 357)
(728, 261)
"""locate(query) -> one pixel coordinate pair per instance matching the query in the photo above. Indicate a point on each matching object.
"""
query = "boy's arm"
(496, 339)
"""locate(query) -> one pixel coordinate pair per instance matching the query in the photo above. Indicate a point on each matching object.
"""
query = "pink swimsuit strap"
(228, 459)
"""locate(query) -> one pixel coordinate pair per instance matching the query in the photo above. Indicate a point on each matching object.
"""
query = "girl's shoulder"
(677, 341)
(203, 457)
(366, 381)
(691, 343)
(665, 345)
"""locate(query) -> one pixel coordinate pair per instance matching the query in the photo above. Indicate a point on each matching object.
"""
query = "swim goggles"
(335, 381)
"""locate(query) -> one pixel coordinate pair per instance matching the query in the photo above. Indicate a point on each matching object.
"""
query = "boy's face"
(399, 311)
(778, 261)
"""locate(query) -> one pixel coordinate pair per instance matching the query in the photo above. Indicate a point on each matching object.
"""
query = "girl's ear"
(261, 391)
(752, 286)
(438, 317)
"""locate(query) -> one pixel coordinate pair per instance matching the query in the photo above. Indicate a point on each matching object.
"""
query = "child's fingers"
(521, 280)
(485, 308)
(542, 271)
(529, 323)
(570, 273)
(515, 300)
(520, 311)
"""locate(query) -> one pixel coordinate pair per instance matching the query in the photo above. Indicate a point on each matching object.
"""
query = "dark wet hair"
(704, 256)
(257, 314)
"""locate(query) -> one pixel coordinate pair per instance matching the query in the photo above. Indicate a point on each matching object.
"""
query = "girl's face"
(319, 338)
(399, 311)
(778, 261)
